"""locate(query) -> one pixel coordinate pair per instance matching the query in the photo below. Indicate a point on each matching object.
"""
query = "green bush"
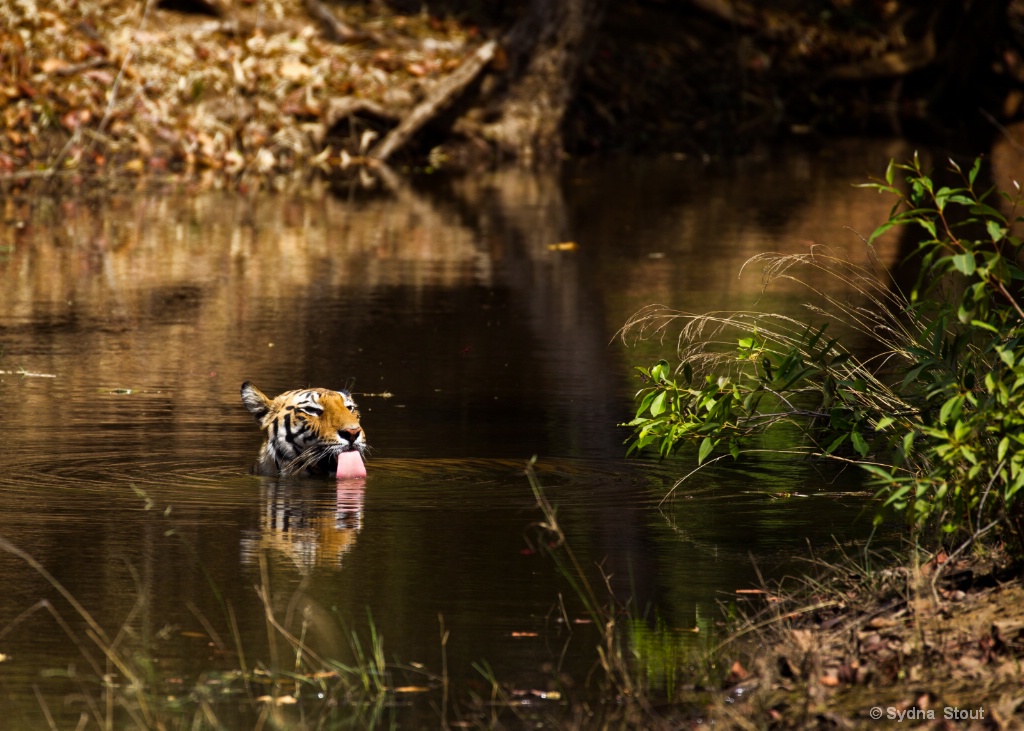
(930, 401)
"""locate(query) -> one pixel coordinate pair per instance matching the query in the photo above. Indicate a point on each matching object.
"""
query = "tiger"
(306, 430)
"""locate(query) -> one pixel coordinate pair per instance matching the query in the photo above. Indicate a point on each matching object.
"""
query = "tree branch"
(438, 99)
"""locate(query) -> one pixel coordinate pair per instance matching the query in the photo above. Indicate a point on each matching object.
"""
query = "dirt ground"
(98, 87)
(866, 650)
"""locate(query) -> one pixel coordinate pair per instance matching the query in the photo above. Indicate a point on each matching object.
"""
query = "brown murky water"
(127, 324)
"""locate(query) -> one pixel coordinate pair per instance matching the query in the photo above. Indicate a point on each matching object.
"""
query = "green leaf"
(983, 209)
(984, 326)
(965, 315)
(881, 230)
(705, 449)
(928, 225)
(645, 402)
(974, 170)
(658, 404)
(995, 231)
(859, 444)
(951, 409)
(880, 473)
(835, 443)
(964, 263)
(908, 442)
(961, 199)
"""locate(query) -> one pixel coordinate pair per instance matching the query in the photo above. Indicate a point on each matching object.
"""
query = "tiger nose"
(350, 434)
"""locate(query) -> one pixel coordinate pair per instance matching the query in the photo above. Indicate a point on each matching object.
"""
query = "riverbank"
(112, 88)
(105, 88)
(863, 649)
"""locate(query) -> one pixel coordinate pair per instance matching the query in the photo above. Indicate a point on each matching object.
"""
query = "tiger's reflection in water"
(301, 522)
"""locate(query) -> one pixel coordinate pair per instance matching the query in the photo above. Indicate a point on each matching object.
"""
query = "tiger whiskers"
(312, 456)
(308, 458)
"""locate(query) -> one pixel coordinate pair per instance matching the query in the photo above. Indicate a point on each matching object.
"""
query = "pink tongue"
(350, 466)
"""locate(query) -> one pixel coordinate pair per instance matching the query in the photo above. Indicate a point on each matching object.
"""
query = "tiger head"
(306, 429)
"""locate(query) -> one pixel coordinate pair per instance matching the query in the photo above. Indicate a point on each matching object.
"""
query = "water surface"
(475, 320)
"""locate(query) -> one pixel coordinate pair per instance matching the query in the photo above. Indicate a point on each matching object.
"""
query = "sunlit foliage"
(929, 400)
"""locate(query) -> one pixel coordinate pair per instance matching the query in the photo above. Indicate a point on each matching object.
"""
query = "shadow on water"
(474, 319)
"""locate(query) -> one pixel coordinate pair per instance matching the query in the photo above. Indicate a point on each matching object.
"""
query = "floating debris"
(28, 374)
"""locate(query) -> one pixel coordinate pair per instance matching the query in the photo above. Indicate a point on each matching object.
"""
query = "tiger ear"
(255, 400)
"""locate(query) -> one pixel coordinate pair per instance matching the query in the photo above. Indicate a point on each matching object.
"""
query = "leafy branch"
(934, 412)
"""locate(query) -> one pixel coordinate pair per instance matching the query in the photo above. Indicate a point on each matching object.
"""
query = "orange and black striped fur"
(306, 429)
